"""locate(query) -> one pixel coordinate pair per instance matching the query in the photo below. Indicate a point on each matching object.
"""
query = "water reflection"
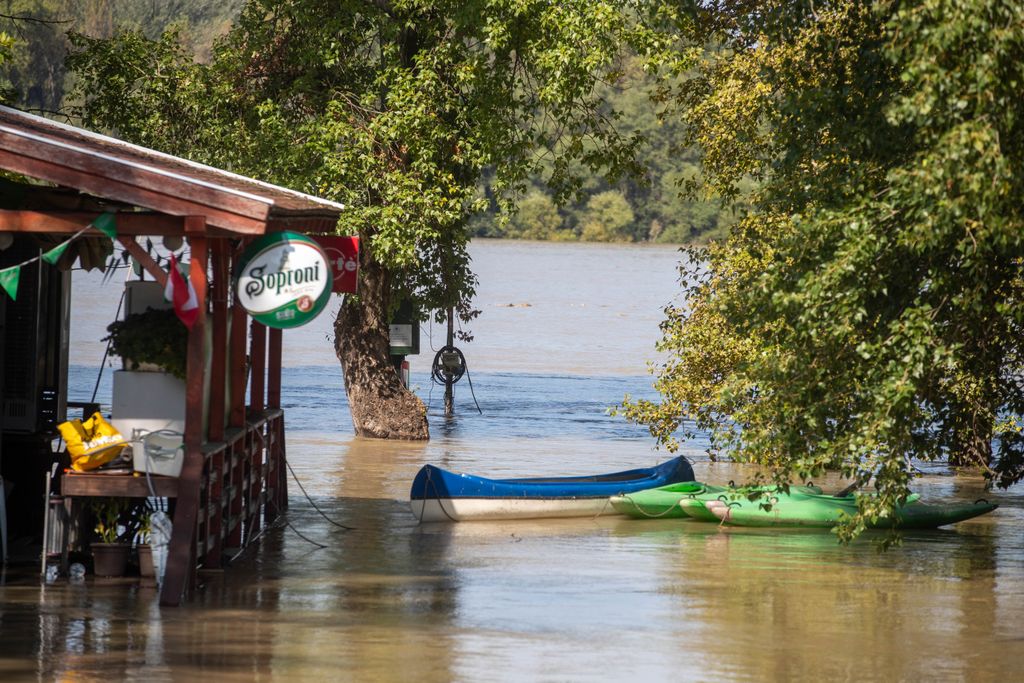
(653, 599)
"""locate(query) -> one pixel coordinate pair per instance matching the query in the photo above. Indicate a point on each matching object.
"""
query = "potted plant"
(149, 393)
(152, 340)
(109, 554)
(145, 551)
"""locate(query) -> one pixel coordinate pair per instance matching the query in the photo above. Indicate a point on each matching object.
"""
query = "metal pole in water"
(449, 403)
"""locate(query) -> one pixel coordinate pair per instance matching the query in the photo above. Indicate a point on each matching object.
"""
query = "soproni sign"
(283, 279)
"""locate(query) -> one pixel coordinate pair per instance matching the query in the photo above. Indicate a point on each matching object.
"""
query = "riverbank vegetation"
(867, 312)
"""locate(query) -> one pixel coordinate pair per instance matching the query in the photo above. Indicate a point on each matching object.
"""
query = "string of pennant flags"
(105, 223)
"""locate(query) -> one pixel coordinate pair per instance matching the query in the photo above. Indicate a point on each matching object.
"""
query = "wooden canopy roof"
(152, 191)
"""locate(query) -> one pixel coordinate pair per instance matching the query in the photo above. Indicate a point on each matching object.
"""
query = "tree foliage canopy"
(867, 310)
(393, 108)
(38, 80)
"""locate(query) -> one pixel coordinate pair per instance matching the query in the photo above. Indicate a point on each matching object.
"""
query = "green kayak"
(802, 508)
(665, 502)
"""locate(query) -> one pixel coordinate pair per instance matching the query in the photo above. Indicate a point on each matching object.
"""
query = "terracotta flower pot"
(146, 569)
(110, 559)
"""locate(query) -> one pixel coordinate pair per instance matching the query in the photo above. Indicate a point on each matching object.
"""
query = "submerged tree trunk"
(972, 441)
(381, 406)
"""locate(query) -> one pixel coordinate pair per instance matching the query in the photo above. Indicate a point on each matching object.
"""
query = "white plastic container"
(146, 403)
(161, 452)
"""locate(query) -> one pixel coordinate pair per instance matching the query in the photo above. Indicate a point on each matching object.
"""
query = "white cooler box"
(160, 452)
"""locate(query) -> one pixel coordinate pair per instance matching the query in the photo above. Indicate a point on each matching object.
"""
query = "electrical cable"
(470, 378)
(106, 351)
(473, 393)
(441, 372)
(303, 489)
(307, 539)
(322, 513)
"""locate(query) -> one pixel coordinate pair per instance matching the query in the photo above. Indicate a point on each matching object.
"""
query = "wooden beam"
(120, 486)
(181, 550)
(198, 186)
(63, 222)
(318, 225)
(143, 257)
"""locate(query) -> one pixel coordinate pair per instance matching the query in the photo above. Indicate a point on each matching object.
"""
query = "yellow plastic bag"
(91, 443)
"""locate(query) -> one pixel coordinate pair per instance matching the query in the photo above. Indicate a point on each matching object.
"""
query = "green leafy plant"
(155, 336)
(108, 513)
(145, 529)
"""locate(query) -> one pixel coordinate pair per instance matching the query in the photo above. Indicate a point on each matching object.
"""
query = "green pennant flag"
(54, 254)
(106, 223)
(9, 281)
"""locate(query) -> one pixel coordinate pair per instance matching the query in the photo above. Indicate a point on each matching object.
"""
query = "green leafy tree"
(6, 49)
(537, 218)
(867, 310)
(607, 218)
(662, 210)
(34, 68)
(394, 108)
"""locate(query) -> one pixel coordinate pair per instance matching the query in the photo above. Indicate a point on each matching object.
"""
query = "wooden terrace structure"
(233, 479)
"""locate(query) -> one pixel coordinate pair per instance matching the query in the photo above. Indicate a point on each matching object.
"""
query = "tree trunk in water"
(972, 446)
(381, 406)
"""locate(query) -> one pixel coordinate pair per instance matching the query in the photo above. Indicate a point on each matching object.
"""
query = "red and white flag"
(180, 292)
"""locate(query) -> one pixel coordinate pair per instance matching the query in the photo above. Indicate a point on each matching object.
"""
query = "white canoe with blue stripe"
(438, 495)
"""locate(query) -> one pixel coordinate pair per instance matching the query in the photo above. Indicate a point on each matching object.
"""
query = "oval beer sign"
(283, 280)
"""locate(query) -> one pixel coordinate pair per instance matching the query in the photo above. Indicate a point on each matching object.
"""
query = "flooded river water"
(565, 332)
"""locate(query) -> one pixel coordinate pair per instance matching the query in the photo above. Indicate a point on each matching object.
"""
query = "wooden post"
(236, 418)
(181, 561)
(218, 376)
(275, 463)
(236, 478)
(258, 356)
(282, 456)
(218, 362)
(257, 401)
(239, 329)
(274, 369)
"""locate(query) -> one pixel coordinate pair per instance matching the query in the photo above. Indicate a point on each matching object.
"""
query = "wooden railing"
(241, 489)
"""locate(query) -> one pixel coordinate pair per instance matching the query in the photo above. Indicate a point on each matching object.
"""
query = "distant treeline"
(35, 72)
(624, 210)
(648, 209)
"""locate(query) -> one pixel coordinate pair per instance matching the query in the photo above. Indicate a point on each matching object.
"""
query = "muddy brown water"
(548, 600)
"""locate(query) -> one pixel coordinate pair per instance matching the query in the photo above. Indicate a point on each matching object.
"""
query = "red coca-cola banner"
(343, 256)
